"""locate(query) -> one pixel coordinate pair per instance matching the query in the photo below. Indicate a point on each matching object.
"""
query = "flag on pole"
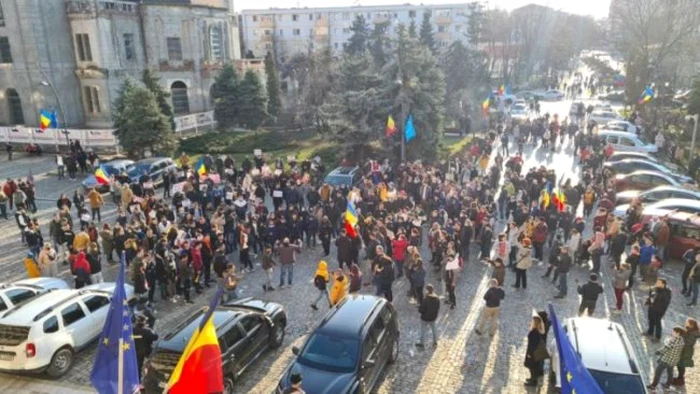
(410, 130)
(350, 219)
(199, 369)
(486, 105)
(54, 120)
(201, 168)
(559, 199)
(647, 95)
(101, 176)
(390, 126)
(115, 369)
(575, 378)
(501, 90)
(45, 120)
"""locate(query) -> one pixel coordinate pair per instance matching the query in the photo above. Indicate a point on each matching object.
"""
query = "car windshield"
(139, 169)
(615, 383)
(112, 170)
(644, 140)
(337, 180)
(330, 353)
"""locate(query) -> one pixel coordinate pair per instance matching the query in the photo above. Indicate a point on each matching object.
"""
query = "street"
(463, 362)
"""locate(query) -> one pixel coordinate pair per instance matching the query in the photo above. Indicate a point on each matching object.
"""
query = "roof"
(601, 344)
(39, 283)
(644, 172)
(691, 218)
(344, 170)
(349, 317)
(26, 313)
(686, 202)
(177, 339)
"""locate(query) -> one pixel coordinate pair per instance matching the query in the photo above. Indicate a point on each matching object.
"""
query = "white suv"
(605, 352)
(44, 333)
(14, 293)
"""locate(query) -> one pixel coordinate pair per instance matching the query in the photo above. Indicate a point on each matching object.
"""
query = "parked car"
(245, 328)
(627, 166)
(551, 95)
(663, 207)
(344, 176)
(656, 194)
(602, 117)
(621, 125)
(112, 167)
(348, 351)
(617, 96)
(643, 180)
(526, 94)
(605, 351)
(520, 112)
(617, 156)
(154, 167)
(12, 294)
(45, 333)
(627, 142)
(685, 233)
(577, 108)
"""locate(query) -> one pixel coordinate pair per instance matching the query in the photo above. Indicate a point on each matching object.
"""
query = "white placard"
(257, 152)
(178, 188)
(453, 264)
(186, 203)
(277, 194)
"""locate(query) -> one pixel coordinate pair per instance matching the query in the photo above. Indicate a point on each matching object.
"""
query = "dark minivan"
(245, 329)
(349, 349)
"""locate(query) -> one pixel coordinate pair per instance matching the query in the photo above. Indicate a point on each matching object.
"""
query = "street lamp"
(60, 108)
(695, 119)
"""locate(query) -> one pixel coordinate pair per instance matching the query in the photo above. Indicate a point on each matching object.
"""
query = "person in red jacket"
(9, 189)
(398, 248)
(539, 235)
(81, 270)
(197, 265)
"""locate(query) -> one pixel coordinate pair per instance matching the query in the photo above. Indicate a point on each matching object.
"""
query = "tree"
(139, 124)
(413, 29)
(475, 26)
(379, 43)
(426, 33)
(225, 94)
(162, 96)
(354, 107)
(252, 101)
(357, 43)
(312, 72)
(273, 87)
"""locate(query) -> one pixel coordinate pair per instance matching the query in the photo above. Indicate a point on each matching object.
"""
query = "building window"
(295, 17)
(296, 32)
(216, 43)
(346, 30)
(255, 18)
(92, 99)
(174, 48)
(335, 45)
(2, 17)
(311, 32)
(441, 29)
(411, 14)
(311, 17)
(181, 104)
(279, 18)
(281, 32)
(129, 46)
(346, 16)
(5, 52)
(267, 32)
(82, 42)
(15, 106)
(268, 46)
(319, 16)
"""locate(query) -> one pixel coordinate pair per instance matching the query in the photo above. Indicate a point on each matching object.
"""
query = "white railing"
(95, 137)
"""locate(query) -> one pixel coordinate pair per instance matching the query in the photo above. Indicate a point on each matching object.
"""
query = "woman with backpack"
(321, 278)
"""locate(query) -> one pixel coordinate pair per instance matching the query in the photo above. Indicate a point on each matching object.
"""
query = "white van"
(622, 141)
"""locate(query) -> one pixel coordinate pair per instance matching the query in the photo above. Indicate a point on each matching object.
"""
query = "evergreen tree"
(354, 108)
(413, 29)
(252, 101)
(139, 124)
(273, 86)
(162, 96)
(459, 69)
(426, 33)
(357, 43)
(225, 94)
(422, 92)
(379, 44)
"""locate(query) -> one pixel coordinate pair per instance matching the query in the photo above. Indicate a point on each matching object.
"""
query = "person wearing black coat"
(144, 337)
(344, 245)
(658, 302)
(325, 231)
(310, 229)
(429, 310)
(617, 247)
(534, 358)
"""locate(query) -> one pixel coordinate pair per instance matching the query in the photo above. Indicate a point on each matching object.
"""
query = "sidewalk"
(28, 385)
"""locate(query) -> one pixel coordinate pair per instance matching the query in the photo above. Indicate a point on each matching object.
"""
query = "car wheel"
(61, 362)
(394, 351)
(228, 385)
(277, 335)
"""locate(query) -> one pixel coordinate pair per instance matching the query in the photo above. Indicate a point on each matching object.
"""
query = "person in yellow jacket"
(81, 241)
(96, 203)
(321, 278)
(31, 266)
(127, 195)
(340, 287)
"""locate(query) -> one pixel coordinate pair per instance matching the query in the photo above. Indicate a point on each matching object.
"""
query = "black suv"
(245, 328)
(349, 349)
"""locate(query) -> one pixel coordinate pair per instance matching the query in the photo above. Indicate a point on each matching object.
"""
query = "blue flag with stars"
(115, 369)
(575, 378)
(410, 130)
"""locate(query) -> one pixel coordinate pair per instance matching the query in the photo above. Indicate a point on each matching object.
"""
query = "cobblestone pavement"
(462, 363)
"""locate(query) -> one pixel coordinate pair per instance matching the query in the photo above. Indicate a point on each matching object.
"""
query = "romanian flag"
(350, 219)
(44, 120)
(201, 168)
(559, 199)
(501, 90)
(101, 176)
(199, 369)
(546, 198)
(647, 95)
(390, 126)
(486, 105)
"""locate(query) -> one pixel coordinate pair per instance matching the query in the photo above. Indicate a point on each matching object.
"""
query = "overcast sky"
(597, 8)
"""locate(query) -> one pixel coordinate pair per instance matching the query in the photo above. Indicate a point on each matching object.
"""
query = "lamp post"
(60, 108)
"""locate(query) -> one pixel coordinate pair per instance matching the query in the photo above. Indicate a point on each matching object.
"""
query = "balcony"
(443, 20)
(80, 8)
(112, 6)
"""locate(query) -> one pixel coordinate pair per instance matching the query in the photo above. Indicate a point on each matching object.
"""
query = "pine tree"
(357, 43)
(139, 124)
(273, 87)
(225, 94)
(413, 29)
(252, 101)
(426, 33)
(459, 69)
(162, 96)
(379, 44)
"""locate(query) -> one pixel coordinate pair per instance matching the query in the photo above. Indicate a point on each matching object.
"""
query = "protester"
(658, 302)
(493, 297)
(669, 356)
(340, 287)
(321, 279)
(429, 311)
(589, 295)
(536, 351)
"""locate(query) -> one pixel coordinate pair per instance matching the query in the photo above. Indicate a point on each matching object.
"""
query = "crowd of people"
(482, 206)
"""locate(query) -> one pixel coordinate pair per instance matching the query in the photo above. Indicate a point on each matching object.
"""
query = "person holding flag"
(350, 219)
(115, 370)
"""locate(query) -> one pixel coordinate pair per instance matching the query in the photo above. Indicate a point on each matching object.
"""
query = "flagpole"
(120, 367)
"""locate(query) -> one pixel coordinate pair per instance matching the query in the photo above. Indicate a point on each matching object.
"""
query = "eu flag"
(409, 130)
(115, 369)
(575, 378)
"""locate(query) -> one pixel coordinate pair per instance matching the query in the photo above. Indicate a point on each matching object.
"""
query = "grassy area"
(456, 144)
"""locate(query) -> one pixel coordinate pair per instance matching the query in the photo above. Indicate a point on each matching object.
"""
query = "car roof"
(344, 170)
(37, 283)
(348, 318)
(119, 162)
(635, 160)
(686, 217)
(151, 160)
(618, 133)
(687, 202)
(27, 312)
(177, 339)
(671, 188)
(601, 344)
(646, 172)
